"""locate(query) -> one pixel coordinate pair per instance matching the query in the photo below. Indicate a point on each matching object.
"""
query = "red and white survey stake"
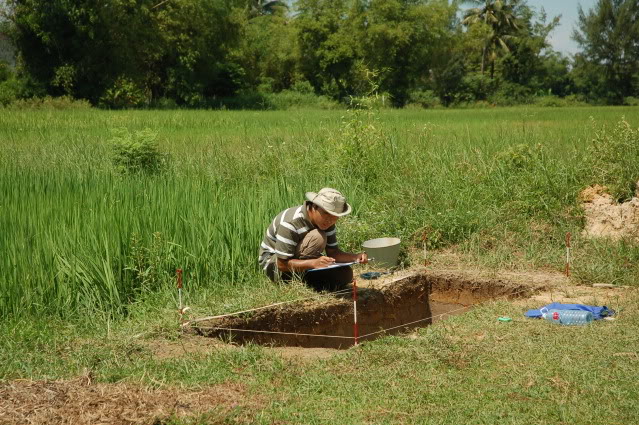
(568, 254)
(179, 285)
(355, 325)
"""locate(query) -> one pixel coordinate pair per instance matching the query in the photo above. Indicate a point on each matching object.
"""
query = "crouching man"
(295, 242)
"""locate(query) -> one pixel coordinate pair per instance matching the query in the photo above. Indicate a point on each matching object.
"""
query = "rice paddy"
(79, 237)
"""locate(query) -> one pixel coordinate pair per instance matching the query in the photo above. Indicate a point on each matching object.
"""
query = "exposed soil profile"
(395, 304)
(607, 218)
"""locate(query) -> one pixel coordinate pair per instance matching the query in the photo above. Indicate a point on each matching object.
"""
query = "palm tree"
(499, 16)
(265, 7)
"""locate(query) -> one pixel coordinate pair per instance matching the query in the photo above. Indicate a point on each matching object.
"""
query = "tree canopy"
(609, 37)
(199, 53)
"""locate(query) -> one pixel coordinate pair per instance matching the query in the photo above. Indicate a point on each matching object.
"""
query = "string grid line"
(220, 316)
(332, 336)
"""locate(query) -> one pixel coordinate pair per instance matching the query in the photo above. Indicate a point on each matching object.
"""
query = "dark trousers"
(332, 280)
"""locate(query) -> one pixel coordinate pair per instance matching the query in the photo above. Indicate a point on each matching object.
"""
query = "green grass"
(467, 369)
(79, 238)
(88, 256)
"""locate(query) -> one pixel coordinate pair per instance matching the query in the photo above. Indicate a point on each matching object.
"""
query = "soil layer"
(386, 306)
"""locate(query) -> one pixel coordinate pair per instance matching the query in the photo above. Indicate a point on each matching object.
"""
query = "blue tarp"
(597, 312)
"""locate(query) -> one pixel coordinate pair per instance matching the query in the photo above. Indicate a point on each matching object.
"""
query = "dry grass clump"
(80, 401)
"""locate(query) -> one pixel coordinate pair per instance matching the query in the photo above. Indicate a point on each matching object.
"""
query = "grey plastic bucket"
(385, 251)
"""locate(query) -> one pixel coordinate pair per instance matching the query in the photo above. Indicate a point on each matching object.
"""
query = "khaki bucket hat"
(330, 200)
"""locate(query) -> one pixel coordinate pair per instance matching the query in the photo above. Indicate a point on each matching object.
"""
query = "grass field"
(88, 254)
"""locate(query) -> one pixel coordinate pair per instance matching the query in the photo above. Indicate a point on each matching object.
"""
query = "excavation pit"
(386, 306)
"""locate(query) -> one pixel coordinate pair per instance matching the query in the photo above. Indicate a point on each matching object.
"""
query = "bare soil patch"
(184, 346)
(611, 297)
(80, 401)
(607, 218)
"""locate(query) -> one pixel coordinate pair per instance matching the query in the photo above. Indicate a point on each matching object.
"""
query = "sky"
(560, 37)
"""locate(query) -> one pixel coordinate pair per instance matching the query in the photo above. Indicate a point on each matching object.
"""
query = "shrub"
(524, 179)
(549, 101)
(286, 99)
(613, 159)
(5, 71)
(363, 149)
(291, 99)
(138, 152)
(373, 101)
(10, 90)
(509, 94)
(124, 94)
(242, 100)
(48, 102)
(480, 104)
(475, 86)
(303, 86)
(150, 264)
(555, 101)
(521, 156)
(163, 103)
(631, 101)
(424, 98)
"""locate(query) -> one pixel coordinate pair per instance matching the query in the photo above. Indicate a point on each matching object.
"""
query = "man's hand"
(322, 262)
(362, 258)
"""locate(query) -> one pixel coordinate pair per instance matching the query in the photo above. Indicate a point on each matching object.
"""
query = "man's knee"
(312, 246)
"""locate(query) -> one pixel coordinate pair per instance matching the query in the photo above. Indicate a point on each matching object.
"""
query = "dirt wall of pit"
(378, 308)
(397, 303)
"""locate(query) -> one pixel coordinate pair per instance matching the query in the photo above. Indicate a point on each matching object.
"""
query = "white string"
(349, 337)
(263, 307)
(416, 321)
(273, 332)
(442, 314)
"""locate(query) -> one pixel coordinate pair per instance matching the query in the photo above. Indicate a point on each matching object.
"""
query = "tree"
(399, 40)
(261, 7)
(114, 49)
(500, 17)
(409, 39)
(524, 63)
(267, 52)
(193, 61)
(76, 47)
(327, 42)
(609, 37)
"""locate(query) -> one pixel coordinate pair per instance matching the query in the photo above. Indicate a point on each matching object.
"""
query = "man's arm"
(346, 257)
(295, 265)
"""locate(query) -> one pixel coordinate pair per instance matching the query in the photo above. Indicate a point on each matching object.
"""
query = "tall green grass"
(77, 237)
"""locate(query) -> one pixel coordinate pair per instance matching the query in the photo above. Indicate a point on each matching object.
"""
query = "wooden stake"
(179, 285)
(355, 325)
(424, 238)
(568, 237)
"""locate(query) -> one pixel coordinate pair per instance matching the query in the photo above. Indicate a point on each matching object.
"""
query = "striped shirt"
(286, 231)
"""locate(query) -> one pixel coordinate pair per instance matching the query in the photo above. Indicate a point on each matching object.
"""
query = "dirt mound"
(607, 218)
(79, 401)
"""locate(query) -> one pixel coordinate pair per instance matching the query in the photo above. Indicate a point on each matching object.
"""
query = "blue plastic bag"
(597, 312)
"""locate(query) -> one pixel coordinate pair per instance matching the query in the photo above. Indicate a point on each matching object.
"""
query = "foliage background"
(259, 54)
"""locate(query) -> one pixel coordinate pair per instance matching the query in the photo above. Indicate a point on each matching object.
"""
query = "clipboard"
(333, 266)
